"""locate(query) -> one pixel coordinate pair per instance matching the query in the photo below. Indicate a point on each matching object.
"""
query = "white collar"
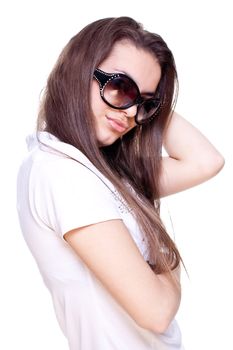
(47, 142)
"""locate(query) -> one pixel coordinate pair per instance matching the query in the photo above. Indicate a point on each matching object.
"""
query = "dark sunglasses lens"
(120, 92)
(147, 110)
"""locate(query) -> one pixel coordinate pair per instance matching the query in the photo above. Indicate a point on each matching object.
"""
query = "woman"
(89, 190)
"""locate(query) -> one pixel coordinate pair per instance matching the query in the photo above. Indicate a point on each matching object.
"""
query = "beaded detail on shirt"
(121, 203)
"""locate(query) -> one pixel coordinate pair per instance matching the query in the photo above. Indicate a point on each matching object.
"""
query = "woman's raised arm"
(191, 159)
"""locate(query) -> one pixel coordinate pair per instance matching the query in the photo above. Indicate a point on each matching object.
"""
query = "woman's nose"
(131, 111)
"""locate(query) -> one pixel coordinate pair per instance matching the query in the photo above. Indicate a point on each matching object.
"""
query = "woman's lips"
(117, 125)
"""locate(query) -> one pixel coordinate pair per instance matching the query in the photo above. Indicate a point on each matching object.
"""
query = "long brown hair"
(136, 157)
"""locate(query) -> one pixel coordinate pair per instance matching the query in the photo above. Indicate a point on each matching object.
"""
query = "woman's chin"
(107, 140)
(106, 143)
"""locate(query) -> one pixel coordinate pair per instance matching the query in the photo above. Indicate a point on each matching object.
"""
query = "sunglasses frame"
(104, 78)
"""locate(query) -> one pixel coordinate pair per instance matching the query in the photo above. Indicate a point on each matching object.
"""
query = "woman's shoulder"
(47, 154)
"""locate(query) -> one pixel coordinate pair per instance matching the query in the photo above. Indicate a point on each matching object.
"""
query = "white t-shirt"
(56, 194)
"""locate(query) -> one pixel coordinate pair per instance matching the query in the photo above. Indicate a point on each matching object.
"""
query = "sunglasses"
(120, 92)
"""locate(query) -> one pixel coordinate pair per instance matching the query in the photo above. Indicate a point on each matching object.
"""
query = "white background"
(200, 36)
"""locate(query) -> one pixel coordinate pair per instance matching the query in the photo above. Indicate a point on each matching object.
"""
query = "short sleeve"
(66, 195)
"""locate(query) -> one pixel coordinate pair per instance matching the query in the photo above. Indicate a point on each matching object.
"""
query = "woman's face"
(144, 69)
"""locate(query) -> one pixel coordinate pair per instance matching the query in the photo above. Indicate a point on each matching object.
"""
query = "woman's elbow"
(213, 165)
(220, 162)
(161, 328)
(157, 326)
(160, 319)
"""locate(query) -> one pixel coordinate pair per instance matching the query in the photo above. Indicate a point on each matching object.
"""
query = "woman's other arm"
(191, 160)
(111, 254)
